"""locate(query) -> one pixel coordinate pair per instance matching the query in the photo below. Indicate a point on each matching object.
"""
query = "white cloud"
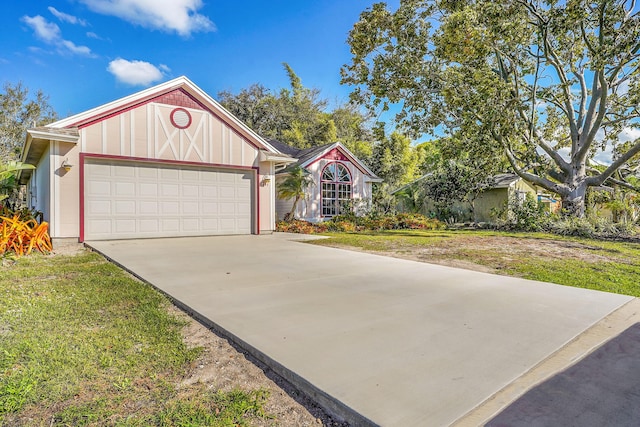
(43, 29)
(50, 33)
(64, 17)
(629, 134)
(93, 35)
(168, 15)
(135, 73)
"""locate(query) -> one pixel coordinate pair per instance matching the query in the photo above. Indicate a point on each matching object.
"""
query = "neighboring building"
(339, 179)
(505, 188)
(495, 198)
(167, 161)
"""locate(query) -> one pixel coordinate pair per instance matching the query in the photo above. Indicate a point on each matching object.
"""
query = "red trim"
(328, 155)
(84, 156)
(81, 238)
(165, 161)
(117, 111)
(173, 122)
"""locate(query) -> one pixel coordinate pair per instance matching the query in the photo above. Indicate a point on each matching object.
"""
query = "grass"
(586, 263)
(82, 343)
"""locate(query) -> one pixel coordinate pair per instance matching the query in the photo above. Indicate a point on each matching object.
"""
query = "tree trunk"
(292, 215)
(574, 202)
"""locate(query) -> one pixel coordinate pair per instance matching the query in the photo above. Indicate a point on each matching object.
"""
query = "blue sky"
(84, 53)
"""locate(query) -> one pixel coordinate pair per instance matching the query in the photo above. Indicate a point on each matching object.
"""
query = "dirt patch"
(222, 366)
(67, 247)
(488, 254)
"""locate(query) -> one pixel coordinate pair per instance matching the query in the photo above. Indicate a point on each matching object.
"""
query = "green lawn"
(585, 263)
(82, 343)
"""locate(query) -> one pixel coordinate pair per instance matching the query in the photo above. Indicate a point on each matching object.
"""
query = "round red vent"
(180, 118)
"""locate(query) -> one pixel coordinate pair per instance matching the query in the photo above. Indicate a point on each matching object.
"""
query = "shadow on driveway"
(602, 389)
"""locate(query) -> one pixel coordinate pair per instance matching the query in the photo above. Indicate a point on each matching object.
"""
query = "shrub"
(21, 237)
(350, 223)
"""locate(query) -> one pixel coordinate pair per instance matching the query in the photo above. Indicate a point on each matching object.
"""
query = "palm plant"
(294, 187)
(8, 173)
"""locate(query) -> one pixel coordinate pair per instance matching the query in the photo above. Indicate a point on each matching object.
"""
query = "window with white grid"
(336, 188)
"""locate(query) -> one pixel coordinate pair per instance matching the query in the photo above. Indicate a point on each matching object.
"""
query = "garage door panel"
(190, 207)
(148, 189)
(190, 224)
(125, 189)
(99, 207)
(148, 207)
(209, 192)
(102, 188)
(170, 225)
(125, 207)
(169, 190)
(149, 225)
(169, 208)
(169, 174)
(148, 172)
(190, 190)
(124, 226)
(129, 200)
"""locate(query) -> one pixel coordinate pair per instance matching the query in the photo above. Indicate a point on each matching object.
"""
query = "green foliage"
(395, 160)
(215, 409)
(527, 214)
(8, 172)
(350, 223)
(509, 81)
(297, 116)
(18, 112)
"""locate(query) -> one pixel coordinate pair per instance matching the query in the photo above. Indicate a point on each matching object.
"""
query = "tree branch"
(617, 163)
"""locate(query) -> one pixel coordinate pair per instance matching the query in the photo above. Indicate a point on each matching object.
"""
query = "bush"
(350, 223)
(21, 237)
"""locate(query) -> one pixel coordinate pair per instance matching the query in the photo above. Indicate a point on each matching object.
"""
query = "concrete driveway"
(378, 340)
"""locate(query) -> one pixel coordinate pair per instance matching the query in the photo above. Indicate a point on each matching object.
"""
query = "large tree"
(18, 112)
(294, 115)
(545, 84)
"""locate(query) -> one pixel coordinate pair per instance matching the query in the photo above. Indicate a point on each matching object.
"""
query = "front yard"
(82, 343)
(586, 263)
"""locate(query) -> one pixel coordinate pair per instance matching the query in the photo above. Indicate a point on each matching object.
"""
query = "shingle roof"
(503, 180)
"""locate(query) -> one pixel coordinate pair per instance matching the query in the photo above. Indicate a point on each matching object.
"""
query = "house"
(339, 179)
(164, 162)
(503, 190)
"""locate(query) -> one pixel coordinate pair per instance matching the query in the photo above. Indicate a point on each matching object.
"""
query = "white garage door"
(135, 200)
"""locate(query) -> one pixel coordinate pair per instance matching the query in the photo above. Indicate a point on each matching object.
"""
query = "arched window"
(336, 188)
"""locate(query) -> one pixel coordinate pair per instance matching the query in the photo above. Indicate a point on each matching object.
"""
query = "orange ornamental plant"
(21, 237)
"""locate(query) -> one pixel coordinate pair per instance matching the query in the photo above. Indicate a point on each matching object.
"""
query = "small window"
(336, 188)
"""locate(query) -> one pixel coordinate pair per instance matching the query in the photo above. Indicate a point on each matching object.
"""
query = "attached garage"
(165, 162)
(128, 199)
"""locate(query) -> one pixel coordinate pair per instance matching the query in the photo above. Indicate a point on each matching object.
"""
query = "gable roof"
(308, 156)
(182, 84)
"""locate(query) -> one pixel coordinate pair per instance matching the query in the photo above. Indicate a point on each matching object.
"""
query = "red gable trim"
(178, 97)
(338, 155)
